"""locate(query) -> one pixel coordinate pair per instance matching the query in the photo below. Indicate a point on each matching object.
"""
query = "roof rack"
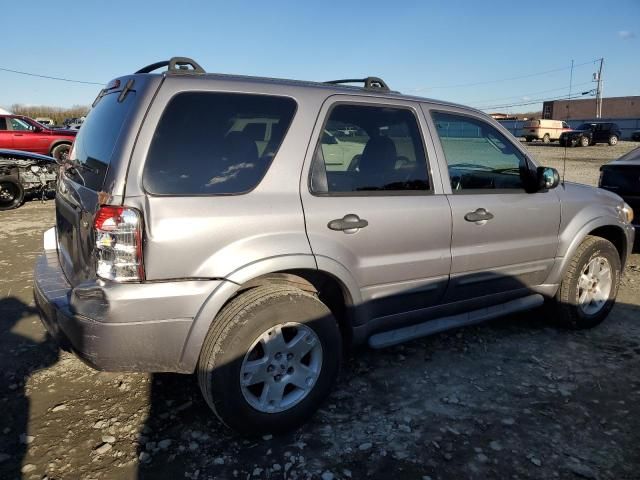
(178, 65)
(373, 83)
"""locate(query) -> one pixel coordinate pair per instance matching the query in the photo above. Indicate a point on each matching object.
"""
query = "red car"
(22, 133)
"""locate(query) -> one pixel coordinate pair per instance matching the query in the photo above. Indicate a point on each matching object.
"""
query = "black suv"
(590, 134)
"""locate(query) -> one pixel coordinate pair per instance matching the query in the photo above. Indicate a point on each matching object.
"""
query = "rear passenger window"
(215, 143)
(369, 149)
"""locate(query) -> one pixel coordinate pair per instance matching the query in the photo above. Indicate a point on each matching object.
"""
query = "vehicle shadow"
(20, 357)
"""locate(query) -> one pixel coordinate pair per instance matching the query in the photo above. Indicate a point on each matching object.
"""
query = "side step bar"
(437, 325)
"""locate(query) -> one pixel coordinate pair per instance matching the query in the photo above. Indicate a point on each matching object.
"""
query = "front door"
(377, 214)
(27, 138)
(504, 239)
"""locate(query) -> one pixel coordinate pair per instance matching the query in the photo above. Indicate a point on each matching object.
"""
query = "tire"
(613, 140)
(546, 138)
(569, 311)
(240, 335)
(11, 193)
(529, 139)
(584, 142)
(61, 151)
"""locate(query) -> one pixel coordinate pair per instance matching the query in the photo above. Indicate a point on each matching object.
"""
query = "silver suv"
(226, 225)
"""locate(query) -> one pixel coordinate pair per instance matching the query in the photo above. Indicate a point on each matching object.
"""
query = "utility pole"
(597, 77)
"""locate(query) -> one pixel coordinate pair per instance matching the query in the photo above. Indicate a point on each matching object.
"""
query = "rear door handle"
(350, 223)
(480, 215)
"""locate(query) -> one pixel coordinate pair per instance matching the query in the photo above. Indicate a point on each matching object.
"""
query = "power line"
(486, 82)
(49, 77)
(525, 95)
(534, 101)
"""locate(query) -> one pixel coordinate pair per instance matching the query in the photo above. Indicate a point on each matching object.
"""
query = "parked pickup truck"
(23, 133)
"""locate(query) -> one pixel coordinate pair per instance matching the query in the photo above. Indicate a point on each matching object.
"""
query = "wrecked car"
(24, 175)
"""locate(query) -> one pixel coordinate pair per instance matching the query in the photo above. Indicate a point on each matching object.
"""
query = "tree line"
(57, 114)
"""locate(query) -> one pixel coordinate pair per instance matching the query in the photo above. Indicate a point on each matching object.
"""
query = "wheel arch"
(602, 227)
(61, 141)
(300, 271)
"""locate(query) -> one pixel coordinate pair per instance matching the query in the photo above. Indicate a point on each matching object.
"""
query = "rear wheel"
(613, 140)
(11, 193)
(590, 285)
(584, 141)
(270, 359)
(61, 152)
(546, 138)
(529, 139)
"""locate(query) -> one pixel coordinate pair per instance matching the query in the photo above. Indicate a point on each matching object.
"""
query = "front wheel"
(546, 138)
(270, 359)
(11, 193)
(584, 142)
(61, 152)
(613, 140)
(590, 285)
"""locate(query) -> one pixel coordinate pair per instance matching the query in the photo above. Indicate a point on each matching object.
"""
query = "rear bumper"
(118, 327)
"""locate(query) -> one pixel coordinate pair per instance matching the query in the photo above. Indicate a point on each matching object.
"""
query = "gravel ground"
(513, 398)
(582, 163)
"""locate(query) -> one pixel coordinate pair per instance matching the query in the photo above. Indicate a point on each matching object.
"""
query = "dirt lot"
(514, 398)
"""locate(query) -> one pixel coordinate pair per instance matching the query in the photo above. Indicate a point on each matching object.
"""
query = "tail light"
(118, 237)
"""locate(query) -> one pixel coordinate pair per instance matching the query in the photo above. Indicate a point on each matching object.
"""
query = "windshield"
(97, 138)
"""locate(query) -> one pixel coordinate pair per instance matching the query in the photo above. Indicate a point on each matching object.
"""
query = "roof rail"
(373, 83)
(178, 65)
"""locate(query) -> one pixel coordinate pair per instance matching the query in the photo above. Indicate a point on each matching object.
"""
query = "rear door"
(378, 214)
(600, 133)
(504, 239)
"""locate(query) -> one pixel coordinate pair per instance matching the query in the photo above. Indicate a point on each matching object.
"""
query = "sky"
(484, 53)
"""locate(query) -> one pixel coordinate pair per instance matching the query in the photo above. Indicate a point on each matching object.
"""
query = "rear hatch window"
(78, 195)
(97, 138)
(211, 143)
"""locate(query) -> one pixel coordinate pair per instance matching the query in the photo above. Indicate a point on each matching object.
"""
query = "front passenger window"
(478, 155)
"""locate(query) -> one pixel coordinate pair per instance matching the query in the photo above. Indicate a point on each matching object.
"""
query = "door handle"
(18, 134)
(480, 215)
(350, 223)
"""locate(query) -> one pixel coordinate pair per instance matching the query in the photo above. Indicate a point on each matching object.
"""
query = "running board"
(437, 325)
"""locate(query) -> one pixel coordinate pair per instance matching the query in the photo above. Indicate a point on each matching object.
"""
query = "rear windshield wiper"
(75, 167)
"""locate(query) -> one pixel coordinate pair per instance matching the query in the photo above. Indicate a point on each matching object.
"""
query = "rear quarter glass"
(95, 142)
(207, 143)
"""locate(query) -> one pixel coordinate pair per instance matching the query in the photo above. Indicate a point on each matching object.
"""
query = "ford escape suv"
(213, 224)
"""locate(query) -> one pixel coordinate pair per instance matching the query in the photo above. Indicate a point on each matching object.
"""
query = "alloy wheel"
(594, 285)
(281, 367)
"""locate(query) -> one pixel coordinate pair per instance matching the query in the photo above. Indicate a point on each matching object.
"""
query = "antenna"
(566, 143)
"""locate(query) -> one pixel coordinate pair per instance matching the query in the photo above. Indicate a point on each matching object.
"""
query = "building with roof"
(612, 108)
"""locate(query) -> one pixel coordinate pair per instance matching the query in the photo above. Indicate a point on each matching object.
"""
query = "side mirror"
(548, 178)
